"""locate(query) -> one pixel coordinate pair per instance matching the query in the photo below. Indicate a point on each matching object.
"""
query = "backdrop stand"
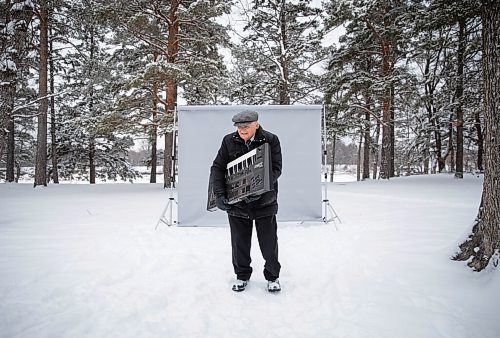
(329, 214)
(170, 204)
(171, 200)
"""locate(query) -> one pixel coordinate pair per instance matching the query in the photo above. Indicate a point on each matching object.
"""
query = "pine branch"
(368, 111)
(29, 104)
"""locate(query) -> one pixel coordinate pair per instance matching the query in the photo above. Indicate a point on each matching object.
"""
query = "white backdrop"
(201, 129)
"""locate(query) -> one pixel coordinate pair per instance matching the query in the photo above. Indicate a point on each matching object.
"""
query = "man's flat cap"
(245, 117)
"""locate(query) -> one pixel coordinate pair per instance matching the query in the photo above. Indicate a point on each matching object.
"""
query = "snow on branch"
(20, 6)
(368, 111)
(29, 104)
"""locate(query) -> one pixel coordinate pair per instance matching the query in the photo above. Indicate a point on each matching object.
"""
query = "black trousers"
(241, 242)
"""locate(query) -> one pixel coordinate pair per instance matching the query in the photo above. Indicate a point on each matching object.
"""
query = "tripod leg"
(333, 212)
(329, 208)
(162, 216)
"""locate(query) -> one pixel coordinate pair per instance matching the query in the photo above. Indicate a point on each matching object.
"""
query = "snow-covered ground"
(85, 261)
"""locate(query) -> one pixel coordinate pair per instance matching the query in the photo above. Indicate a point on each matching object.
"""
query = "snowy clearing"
(85, 261)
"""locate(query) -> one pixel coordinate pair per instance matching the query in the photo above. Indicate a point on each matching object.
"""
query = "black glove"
(221, 202)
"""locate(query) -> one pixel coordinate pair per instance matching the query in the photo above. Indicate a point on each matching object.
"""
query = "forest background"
(84, 81)
(415, 83)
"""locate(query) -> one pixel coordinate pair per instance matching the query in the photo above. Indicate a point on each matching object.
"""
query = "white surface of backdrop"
(201, 129)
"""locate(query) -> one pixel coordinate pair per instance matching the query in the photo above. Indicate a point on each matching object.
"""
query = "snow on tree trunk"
(483, 245)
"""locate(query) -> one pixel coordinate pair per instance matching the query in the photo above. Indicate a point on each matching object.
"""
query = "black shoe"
(273, 285)
(239, 285)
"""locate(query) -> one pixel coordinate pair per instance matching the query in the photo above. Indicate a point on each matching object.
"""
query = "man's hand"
(221, 202)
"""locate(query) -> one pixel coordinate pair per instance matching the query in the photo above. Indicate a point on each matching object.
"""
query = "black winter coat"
(232, 147)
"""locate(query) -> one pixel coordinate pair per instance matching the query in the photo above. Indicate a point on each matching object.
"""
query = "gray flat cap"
(245, 117)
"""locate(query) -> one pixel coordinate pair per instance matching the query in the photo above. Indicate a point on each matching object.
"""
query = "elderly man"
(261, 209)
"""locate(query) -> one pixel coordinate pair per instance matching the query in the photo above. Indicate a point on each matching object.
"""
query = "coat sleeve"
(276, 158)
(218, 170)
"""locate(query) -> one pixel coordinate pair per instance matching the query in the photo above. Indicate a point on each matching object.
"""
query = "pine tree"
(14, 23)
(446, 51)
(89, 134)
(184, 36)
(41, 146)
(280, 46)
(374, 42)
(483, 245)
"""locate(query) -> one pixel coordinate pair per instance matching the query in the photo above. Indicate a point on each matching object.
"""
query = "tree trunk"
(284, 95)
(92, 173)
(332, 164)
(15, 43)
(53, 127)
(430, 87)
(483, 245)
(168, 165)
(385, 48)
(9, 170)
(480, 142)
(459, 159)
(385, 166)
(92, 159)
(172, 50)
(426, 156)
(376, 151)
(154, 128)
(9, 173)
(41, 147)
(451, 149)
(358, 162)
(393, 137)
(367, 146)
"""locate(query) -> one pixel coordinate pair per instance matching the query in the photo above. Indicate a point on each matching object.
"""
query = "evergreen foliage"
(280, 46)
(403, 82)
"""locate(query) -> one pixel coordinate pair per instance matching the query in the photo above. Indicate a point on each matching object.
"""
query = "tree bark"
(459, 158)
(385, 166)
(92, 152)
(480, 142)
(41, 148)
(385, 51)
(332, 163)
(376, 151)
(15, 44)
(430, 85)
(284, 95)
(358, 162)
(367, 145)
(451, 149)
(92, 173)
(172, 50)
(483, 245)
(154, 128)
(53, 126)
(392, 155)
(9, 172)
